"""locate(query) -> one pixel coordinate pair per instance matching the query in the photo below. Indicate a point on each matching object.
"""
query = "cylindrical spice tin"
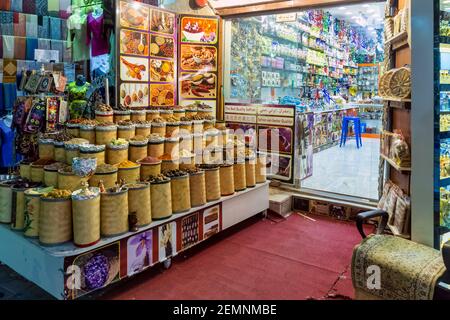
(240, 180)
(93, 151)
(152, 114)
(181, 195)
(139, 201)
(197, 185)
(137, 150)
(88, 132)
(46, 149)
(86, 217)
(121, 115)
(143, 129)
(227, 180)
(114, 212)
(104, 116)
(149, 169)
(73, 129)
(212, 178)
(105, 134)
(116, 153)
(129, 175)
(126, 132)
(161, 196)
(250, 172)
(55, 221)
(156, 147)
(138, 115)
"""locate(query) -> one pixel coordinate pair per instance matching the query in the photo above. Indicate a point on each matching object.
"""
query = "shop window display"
(327, 65)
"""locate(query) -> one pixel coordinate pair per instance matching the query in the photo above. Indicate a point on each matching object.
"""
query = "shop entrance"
(325, 62)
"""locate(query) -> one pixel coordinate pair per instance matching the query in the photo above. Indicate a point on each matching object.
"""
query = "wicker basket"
(104, 116)
(212, 138)
(86, 219)
(139, 201)
(46, 149)
(25, 170)
(104, 135)
(165, 113)
(187, 163)
(143, 130)
(261, 168)
(18, 208)
(71, 152)
(114, 213)
(172, 147)
(69, 181)
(250, 172)
(205, 113)
(186, 128)
(6, 195)
(55, 221)
(152, 114)
(172, 129)
(126, 132)
(227, 180)
(167, 165)
(191, 112)
(88, 132)
(197, 126)
(240, 179)
(159, 129)
(138, 115)
(156, 148)
(179, 113)
(199, 143)
(212, 178)
(181, 195)
(99, 155)
(129, 175)
(73, 129)
(149, 169)
(137, 151)
(109, 179)
(187, 143)
(37, 173)
(116, 154)
(31, 213)
(121, 116)
(161, 200)
(197, 185)
(51, 178)
(60, 152)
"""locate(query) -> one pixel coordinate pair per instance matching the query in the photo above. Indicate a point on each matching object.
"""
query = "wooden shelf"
(395, 99)
(395, 166)
(398, 41)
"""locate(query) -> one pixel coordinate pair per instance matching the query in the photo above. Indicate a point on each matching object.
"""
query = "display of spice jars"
(139, 201)
(117, 152)
(197, 185)
(114, 212)
(227, 180)
(126, 132)
(152, 114)
(104, 116)
(138, 149)
(161, 196)
(86, 216)
(172, 147)
(240, 180)
(73, 129)
(143, 129)
(155, 146)
(46, 148)
(150, 166)
(212, 178)
(181, 196)
(129, 172)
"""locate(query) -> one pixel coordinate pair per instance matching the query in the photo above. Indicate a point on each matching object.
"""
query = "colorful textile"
(10, 95)
(67, 54)
(44, 44)
(29, 6)
(32, 26)
(8, 47)
(53, 8)
(41, 7)
(63, 30)
(64, 9)
(1, 47)
(32, 44)
(57, 45)
(43, 27)
(7, 23)
(5, 5)
(20, 48)
(76, 37)
(6, 145)
(20, 25)
(16, 5)
(96, 36)
(409, 270)
(55, 28)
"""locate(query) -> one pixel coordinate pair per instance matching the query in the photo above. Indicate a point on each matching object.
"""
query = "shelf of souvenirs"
(398, 41)
(394, 165)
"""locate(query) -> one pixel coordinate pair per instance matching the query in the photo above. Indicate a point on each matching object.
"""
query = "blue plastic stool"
(357, 127)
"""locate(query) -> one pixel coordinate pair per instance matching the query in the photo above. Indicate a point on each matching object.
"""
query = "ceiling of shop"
(370, 14)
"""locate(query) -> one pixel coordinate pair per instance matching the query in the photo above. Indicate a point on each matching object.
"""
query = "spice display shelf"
(49, 266)
(394, 165)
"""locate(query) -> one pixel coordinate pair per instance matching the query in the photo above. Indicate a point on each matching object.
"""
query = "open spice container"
(138, 115)
(186, 126)
(261, 168)
(240, 180)
(159, 127)
(155, 146)
(37, 169)
(197, 126)
(212, 179)
(129, 171)
(250, 171)
(73, 129)
(104, 116)
(18, 205)
(51, 173)
(32, 211)
(86, 216)
(6, 195)
(172, 127)
(187, 160)
(106, 173)
(55, 219)
(105, 132)
(25, 169)
(227, 179)
(152, 114)
(117, 151)
(187, 142)
(180, 188)
(172, 147)
(150, 166)
(169, 163)
(46, 148)
(87, 131)
(166, 113)
(68, 180)
(121, 115)
(161, 197)
(126, 130)
(93, 151)
(114, 211)
(138, 148)
(139, 201)
(72, 148)
(143, 128)
(179, 113)
(197, 184)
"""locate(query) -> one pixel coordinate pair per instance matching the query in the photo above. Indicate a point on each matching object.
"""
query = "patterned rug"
(408, 271)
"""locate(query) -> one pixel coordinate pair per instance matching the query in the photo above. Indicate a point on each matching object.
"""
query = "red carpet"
(293, 259)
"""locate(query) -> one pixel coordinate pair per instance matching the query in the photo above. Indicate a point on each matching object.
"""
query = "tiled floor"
(347, 170)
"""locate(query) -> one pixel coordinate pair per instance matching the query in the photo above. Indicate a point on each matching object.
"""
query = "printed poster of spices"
(93, 270)
(189, 231)
(211, 218)
(139, 252)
